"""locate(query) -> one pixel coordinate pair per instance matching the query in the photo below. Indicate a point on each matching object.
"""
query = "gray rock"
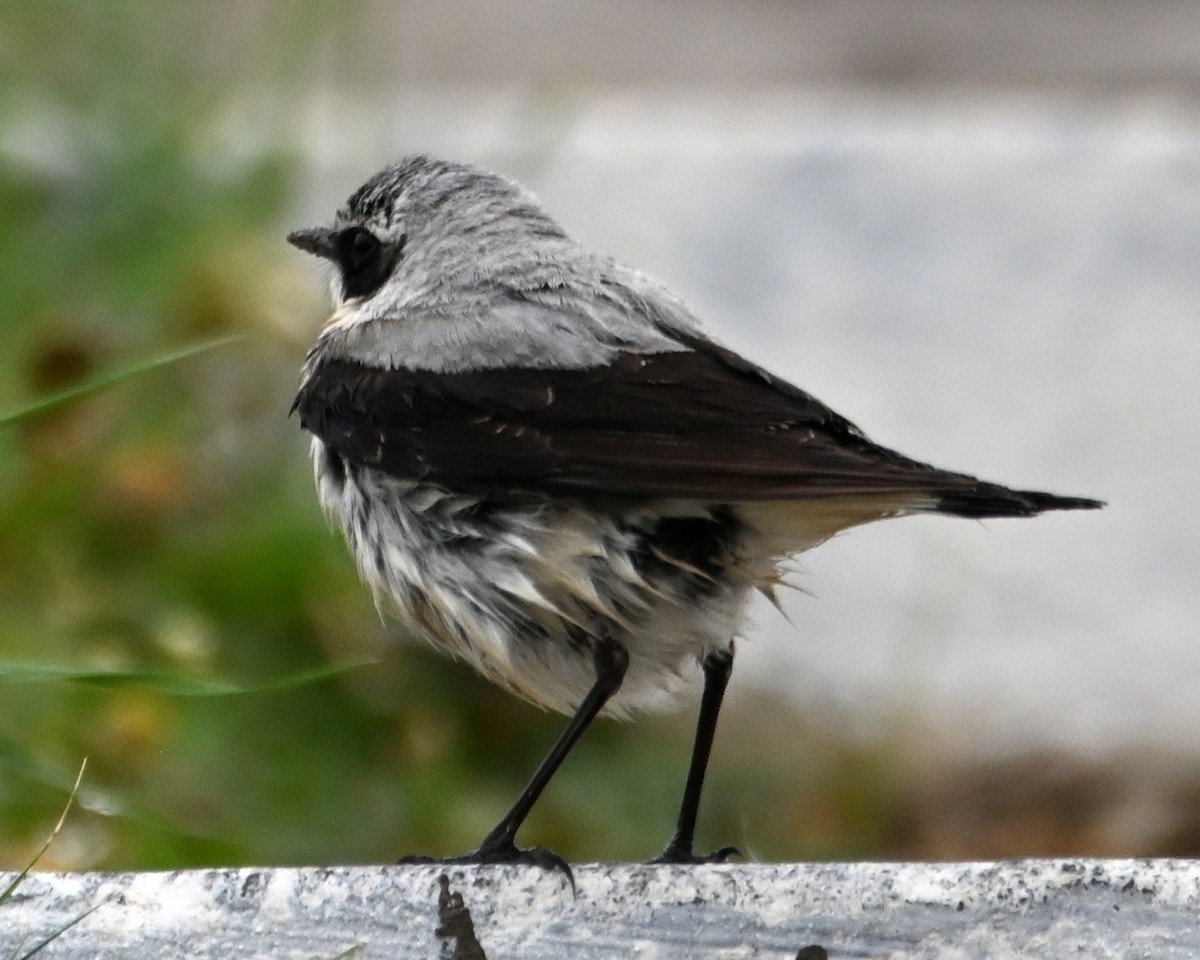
(1036, 908)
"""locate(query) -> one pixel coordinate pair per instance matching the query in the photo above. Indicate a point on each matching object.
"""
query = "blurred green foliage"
(164, 569)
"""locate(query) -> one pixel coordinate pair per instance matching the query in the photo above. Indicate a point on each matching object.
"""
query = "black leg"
(717, 668)
(611, 661)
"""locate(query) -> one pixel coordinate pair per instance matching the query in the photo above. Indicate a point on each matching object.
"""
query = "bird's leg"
(611, 660)
(718, 665)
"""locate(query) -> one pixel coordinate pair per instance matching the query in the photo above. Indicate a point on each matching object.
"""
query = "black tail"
(992, 500)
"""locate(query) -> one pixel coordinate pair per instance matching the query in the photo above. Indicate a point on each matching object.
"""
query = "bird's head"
(430, 228)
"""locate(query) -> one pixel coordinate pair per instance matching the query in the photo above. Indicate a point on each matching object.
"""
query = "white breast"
(520, 590)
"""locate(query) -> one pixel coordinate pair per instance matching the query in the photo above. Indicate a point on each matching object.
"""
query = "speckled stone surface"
(1035, 908)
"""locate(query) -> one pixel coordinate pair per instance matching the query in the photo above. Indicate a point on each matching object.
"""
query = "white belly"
(520, 591)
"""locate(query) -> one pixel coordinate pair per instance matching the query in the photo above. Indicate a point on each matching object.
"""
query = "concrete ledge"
(1035, 908)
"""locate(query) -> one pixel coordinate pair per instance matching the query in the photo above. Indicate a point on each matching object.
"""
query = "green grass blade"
(8, 891)
(40, 945)
(19, 671)
(105, 380)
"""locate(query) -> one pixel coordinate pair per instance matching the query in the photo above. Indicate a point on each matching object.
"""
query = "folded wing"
(699, 423)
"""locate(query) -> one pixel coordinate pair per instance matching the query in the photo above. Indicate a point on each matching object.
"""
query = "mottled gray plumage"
(488, 279)
(543, 466)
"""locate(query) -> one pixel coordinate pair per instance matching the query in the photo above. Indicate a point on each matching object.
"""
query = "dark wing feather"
(699, 424)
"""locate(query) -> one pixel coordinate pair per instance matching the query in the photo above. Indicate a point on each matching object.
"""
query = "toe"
(503, 852)
(533, 857)
(680, 854)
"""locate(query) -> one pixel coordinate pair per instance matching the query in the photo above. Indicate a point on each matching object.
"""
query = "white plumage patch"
(520, 592)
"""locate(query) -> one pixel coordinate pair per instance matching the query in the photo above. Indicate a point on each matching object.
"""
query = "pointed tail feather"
(992, 500)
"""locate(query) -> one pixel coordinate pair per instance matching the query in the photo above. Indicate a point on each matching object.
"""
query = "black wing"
(698, 424)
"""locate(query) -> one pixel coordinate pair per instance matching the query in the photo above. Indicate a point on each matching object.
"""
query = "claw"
(505, 852)
(678, 853)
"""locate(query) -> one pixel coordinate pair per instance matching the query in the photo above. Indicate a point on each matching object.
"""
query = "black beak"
(318, 241)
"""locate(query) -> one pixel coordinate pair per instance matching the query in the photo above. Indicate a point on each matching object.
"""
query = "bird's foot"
(677, 852)
(504, 852)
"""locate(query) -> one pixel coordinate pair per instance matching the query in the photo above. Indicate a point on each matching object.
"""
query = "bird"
(543, 466)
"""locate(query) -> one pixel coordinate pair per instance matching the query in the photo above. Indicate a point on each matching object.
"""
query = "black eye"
(364, 261)
(362, 249)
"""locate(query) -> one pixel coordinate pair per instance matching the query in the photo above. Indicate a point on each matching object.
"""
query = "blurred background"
(972, 228)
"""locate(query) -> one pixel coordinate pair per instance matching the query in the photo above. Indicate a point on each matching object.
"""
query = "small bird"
(544, 467)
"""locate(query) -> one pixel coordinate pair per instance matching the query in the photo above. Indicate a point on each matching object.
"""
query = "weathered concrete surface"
(1037, 908)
